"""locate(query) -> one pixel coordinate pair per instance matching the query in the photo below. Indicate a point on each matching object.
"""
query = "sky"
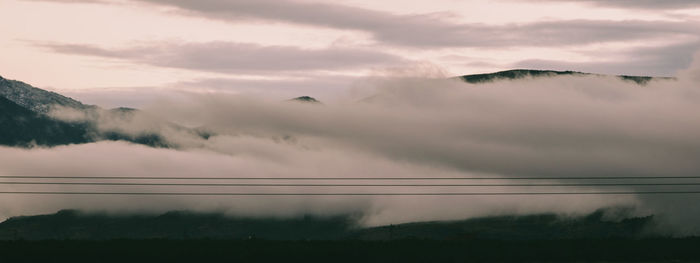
(127, 52)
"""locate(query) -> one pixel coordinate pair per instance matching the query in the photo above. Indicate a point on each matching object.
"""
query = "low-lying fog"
(565, 126)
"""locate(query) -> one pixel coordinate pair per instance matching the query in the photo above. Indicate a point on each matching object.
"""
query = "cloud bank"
(565, 126)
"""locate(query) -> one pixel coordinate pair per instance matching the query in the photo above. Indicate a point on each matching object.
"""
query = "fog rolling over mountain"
(28, 118)
(561, 126)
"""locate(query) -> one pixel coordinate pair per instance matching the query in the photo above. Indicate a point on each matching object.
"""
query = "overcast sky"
(91, 48)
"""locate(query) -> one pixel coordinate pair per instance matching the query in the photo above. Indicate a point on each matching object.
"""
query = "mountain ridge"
(524, 73)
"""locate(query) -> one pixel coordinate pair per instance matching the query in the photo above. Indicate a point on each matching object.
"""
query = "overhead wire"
(136, 181)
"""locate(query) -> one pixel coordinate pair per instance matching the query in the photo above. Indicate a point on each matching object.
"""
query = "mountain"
(71, 224)
(524, 73)
(305, 99)
(35, 99)
(25, 120)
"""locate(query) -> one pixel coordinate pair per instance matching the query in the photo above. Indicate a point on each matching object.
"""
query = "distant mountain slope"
(523, 73)
(69, 224)
(22, 127)
(35, 99)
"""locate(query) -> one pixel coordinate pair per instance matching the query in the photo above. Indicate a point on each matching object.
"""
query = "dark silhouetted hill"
(22, 127)
(70, 224)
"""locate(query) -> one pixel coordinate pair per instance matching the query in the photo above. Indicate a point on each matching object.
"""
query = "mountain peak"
(307, 99)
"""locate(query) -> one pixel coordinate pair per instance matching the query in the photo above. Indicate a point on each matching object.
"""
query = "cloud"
(565, 126)
(393, 37)
(433, 30)
(131, 97)
(230, 57)
(324, 87)
(397, 122)
(426, 30)
(327, 88)
(635, 4)
(650, 61)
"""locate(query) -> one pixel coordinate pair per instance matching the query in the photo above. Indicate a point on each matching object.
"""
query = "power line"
(352, 194)
(341, 185)
(348, 178)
